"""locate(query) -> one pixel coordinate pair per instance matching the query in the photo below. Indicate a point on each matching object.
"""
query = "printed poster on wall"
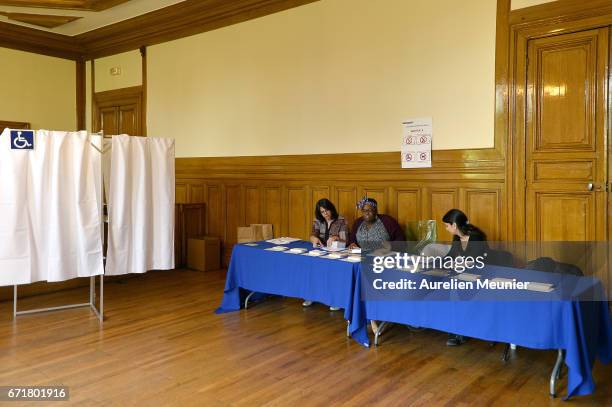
(416, 143)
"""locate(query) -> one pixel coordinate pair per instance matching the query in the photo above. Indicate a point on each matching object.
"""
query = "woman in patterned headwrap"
(372, 229)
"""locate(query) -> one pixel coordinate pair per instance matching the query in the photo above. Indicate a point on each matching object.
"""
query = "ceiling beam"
(85, 5)
(173, 22)
(39, 41)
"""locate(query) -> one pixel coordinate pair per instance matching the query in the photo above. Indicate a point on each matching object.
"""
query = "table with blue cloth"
(572, 319)
(252, 268)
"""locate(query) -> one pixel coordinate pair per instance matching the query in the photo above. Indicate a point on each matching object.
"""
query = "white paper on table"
(416, 142)
(540, 287)
(283, 240)
(277, 249)
(468, 277)
(296, 250)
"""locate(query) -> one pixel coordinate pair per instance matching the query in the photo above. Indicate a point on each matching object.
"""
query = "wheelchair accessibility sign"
(22, 140)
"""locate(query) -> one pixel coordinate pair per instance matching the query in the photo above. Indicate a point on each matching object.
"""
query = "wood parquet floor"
(162, 345)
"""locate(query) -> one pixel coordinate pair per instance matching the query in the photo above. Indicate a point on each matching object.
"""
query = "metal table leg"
(556, 371)
(246, 301)
(379, 332)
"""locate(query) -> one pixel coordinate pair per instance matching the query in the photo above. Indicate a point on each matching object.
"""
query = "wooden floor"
(162, 345)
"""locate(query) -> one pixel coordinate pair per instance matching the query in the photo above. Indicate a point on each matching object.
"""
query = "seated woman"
(468, 240)
(328, 227)
(373, 231)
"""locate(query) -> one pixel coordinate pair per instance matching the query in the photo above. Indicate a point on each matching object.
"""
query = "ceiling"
(73, 17)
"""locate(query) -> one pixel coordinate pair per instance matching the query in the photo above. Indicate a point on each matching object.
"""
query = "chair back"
(549, 265)
(420, 233)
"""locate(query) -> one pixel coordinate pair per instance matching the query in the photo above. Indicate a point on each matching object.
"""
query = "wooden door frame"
(118, 97)
(564, 19)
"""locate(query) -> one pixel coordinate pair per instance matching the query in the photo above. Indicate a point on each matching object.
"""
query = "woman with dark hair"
(372, 229)
(328, 227)
(468, 240)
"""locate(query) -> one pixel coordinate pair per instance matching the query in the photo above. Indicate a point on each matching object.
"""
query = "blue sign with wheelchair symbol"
(22, 140)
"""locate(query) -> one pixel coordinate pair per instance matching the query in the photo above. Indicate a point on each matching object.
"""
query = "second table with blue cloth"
(573, 317)
(253, 268)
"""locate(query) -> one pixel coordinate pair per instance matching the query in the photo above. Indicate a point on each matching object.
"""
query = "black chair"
(549, 265)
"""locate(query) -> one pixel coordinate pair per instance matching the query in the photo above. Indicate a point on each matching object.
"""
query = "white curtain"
(141, 205)
(49, 201)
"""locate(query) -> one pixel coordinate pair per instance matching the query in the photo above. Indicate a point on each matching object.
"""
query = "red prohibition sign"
(423, 156)
(408, 157)
(423, 139)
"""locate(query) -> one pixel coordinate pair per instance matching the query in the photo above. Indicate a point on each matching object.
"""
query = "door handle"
(590, 186)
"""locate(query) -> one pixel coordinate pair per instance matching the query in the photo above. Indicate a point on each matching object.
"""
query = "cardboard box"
(255, 232)
(204, 253)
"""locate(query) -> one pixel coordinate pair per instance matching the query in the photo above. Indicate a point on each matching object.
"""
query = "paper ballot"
(540, 287)
(416, 143)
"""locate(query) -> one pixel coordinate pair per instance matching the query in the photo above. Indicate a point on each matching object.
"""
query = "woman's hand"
(331, 240)
(316, 241)
(353, 246)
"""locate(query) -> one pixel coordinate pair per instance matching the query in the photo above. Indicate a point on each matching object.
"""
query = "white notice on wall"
(416, 143)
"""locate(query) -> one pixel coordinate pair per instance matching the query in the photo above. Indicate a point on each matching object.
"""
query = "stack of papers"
(353, 259)
(277, 248)
(333, 249)
(251, 244)
(437, 273)
(467, 276)
(540, 287)
(356, 250)
(335, 256)
(315, 253)
(296, 250)
(283, 240)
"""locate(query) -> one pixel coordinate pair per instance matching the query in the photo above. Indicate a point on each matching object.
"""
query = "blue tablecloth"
(331, 282)
(535, 320)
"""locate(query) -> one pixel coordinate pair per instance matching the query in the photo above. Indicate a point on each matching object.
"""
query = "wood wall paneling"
(181, 195)
(407, 204)
(197, 193)
(274, 191)
(440, 201)
(345, 199)
(272, 208)
(484, 207)
(298, 207)
(252, 206)
(214, 211)
(234, 216)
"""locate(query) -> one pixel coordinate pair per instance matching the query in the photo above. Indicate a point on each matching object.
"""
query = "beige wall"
(335, 76)
(38, 89)
(516, 4)
(131, 71)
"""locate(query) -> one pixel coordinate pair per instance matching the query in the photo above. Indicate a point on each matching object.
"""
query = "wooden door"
(120, 112)
(565, 139)
(108, 119)
(129, 119)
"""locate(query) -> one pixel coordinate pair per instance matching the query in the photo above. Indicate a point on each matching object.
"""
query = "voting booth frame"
(98, 309)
